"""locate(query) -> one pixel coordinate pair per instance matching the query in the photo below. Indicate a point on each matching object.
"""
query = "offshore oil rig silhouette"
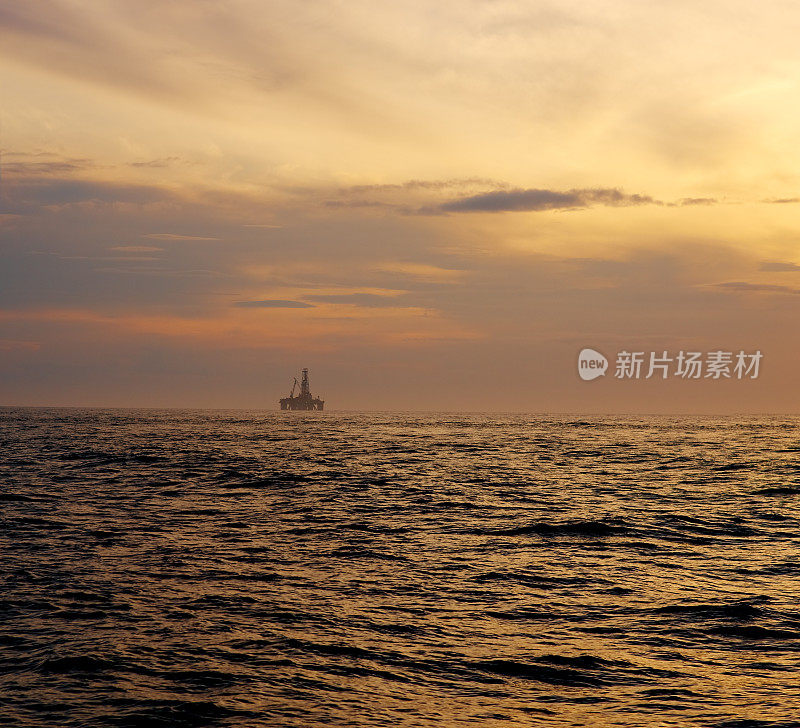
(304, 400)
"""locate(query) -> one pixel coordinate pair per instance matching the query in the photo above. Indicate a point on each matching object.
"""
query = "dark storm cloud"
(530, 200)
(272, 304)
(426, 184)
(412, 197)
(783, 200)
(503, 201)
(367, 300)
(58, 166)
(777, 266)
(424, 197)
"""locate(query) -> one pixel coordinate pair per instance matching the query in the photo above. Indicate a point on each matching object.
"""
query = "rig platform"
(304, 400)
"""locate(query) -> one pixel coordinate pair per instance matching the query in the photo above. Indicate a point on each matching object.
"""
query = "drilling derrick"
(304, 400)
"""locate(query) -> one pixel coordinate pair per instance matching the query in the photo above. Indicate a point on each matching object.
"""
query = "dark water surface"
(250, 569)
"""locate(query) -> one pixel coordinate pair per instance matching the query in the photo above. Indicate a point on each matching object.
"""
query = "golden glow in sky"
(416, 200)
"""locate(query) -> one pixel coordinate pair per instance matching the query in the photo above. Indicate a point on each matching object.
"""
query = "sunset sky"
(432, 205)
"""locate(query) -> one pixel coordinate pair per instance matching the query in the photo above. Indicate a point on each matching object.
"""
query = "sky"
(432, 206)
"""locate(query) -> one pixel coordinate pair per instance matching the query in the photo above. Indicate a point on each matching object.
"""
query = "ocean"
(258, 569)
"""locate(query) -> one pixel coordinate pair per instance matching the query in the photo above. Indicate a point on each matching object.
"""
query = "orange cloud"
(321, 327)
(13, 345)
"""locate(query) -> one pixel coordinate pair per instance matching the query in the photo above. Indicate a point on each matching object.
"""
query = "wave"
(589, 528)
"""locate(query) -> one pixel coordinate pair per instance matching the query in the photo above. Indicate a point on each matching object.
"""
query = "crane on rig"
(304, 400)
